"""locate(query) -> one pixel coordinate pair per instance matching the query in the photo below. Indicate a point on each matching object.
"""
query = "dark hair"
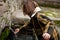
(28, 7)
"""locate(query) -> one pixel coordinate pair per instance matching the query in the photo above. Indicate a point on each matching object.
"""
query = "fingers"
(46, 36)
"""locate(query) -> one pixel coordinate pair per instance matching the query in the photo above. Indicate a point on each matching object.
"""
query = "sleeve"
(53, 32)
(44, 19)
(50, 30)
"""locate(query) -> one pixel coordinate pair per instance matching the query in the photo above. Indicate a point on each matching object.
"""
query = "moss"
(4, 34)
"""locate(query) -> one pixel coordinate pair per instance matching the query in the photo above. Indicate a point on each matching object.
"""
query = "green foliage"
(4, 34)
(57, 23)
(51, 14)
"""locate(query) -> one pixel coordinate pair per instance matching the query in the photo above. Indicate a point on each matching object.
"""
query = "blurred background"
(50, 7)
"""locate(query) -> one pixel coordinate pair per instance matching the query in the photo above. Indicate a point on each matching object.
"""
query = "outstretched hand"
(16, 30)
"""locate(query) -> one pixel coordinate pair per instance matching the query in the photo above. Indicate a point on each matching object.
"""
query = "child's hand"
(16, 31)
(46, 36)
